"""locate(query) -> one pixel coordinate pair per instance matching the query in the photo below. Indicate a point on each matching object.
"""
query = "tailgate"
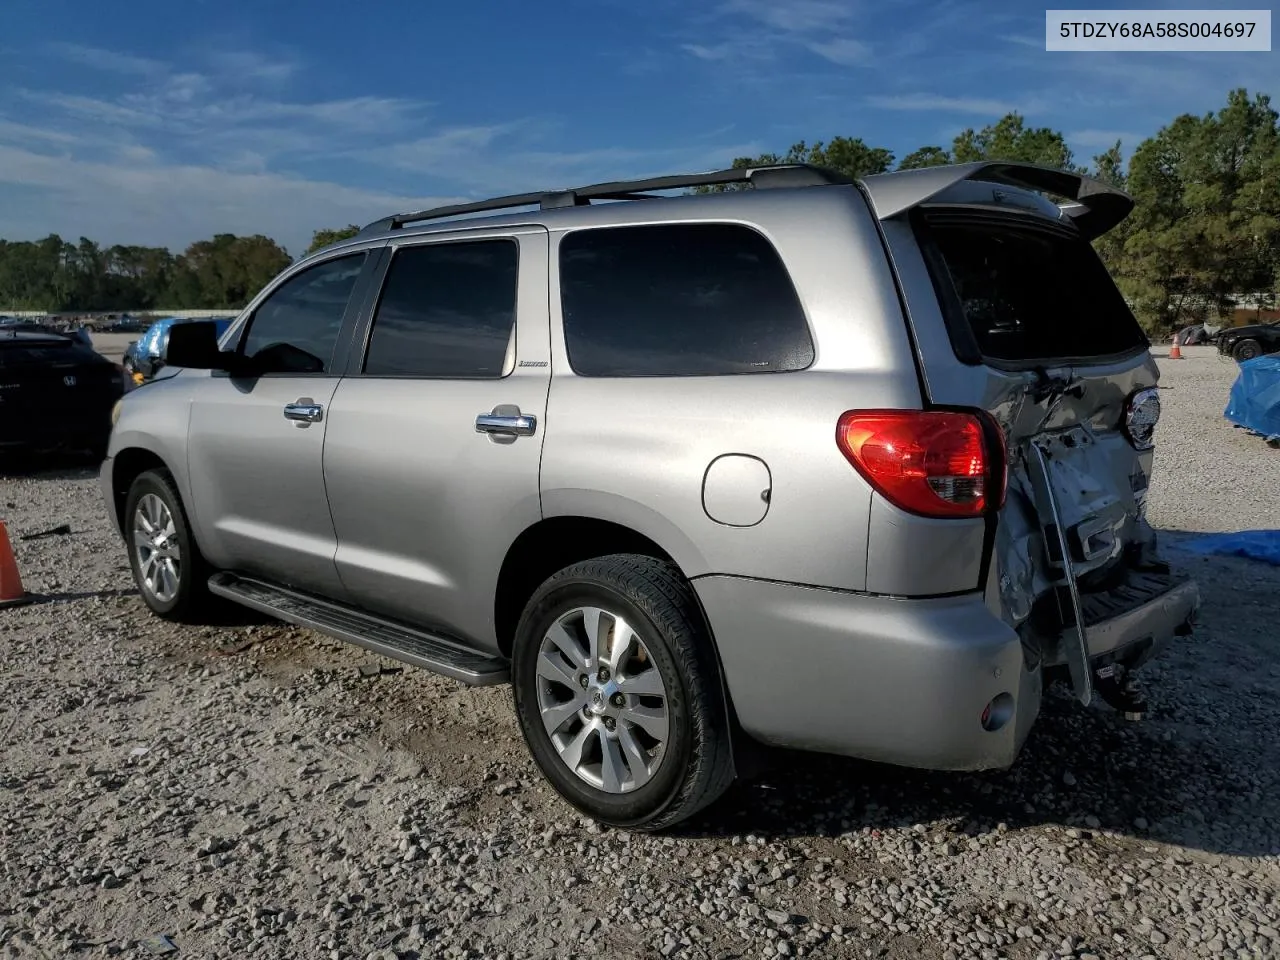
(1012, 312)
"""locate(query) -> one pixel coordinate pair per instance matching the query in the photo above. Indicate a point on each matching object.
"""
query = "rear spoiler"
(1094, 207)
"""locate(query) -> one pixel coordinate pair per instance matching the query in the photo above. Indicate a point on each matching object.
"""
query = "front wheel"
(1247, 350)
(617, 691)
(167, 566)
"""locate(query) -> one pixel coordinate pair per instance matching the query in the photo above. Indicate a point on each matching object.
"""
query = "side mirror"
(194, 345)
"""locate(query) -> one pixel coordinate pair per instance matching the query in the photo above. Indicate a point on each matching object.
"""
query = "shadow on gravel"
(53, 467)
(1203, 771)
(82, 595)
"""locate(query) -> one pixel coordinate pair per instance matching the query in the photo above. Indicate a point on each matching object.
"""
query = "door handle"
(516, 425)
(304, 411)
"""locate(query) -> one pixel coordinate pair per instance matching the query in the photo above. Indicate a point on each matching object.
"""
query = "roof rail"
(762, 177)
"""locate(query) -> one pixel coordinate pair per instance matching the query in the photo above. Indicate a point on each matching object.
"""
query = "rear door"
(1014, 313)
(434, 443)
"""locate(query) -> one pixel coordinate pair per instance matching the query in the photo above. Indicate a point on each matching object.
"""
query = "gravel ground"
(246, 790)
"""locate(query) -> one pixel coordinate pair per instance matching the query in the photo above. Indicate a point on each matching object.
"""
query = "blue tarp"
(1261, 545)
(1255, 396)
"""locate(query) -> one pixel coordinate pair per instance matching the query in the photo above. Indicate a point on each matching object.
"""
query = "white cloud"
(796, 16)
(842, 50)
(760, 28)
(943, 104)
(249, 65)
(107, 60)
(172, 205)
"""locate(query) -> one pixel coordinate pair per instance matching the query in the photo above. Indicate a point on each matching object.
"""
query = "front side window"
(447, 310)
(296, 328)
(679, 300)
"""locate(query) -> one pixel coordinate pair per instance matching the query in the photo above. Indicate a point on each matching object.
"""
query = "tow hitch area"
(1119, 690)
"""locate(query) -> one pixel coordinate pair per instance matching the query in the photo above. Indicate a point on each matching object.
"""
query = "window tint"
(447, 310)
(679, 300)
(296, 327)
(1029, 294)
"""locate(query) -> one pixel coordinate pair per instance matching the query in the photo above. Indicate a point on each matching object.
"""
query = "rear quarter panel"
(636, 450)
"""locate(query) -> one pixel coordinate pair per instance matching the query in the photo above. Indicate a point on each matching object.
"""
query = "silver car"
(851, 467)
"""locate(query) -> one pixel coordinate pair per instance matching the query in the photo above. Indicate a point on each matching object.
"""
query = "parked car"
(844, 467)
(144, 357)
(1247, 342)
(56, 393)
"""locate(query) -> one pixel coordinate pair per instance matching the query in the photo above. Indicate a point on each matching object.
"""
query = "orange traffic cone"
(1175, 352)
(12, 593)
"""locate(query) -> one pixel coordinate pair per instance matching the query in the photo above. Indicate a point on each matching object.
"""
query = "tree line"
(1205, 227)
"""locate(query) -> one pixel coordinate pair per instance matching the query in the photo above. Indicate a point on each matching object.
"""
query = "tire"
(189, 598)
(693, 765)
(1247, 350)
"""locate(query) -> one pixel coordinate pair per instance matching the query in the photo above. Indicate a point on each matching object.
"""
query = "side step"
(385, 637)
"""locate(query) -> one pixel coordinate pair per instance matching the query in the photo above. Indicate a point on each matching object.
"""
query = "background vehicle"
(684, 470)
(1247, 342)
(56, 393)
(1196, 334)
(144, 357)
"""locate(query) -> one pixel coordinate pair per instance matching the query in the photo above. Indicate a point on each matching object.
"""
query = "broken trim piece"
(1076, 654)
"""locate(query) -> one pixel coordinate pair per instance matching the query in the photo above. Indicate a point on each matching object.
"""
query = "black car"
(56, 393)
(1245, 343)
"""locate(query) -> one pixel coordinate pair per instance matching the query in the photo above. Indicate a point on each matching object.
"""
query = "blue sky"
(175, 120)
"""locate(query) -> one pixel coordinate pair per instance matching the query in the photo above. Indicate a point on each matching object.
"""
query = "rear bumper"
(897, 681)
(1137, 634)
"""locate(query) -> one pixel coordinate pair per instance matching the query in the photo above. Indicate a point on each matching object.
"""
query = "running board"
(410, 645)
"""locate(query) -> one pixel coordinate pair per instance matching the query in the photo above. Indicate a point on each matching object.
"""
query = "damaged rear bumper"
(1132, 627)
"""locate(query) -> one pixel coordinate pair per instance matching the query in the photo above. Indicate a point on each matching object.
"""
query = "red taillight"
(936, 463)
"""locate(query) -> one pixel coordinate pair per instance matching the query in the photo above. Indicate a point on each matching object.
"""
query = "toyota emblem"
(69, 380)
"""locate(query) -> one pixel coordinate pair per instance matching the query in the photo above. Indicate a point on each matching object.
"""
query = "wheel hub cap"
(156, 549)
(612, 731)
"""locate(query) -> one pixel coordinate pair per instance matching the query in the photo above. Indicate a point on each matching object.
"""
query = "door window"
(296, 328)
(447, 310)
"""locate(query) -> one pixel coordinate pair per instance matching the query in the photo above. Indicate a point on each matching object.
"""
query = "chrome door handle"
(518, 425)
(304, 411)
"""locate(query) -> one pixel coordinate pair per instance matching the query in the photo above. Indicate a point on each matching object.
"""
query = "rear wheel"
(1247, 350)
(167, 566)
(618, 692)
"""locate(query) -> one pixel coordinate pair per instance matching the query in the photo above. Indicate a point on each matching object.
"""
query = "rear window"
(1022, 293)
(677, 300)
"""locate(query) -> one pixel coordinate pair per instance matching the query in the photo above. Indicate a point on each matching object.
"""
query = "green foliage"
(58, 276)
(925, 157)
(323, 238)
(1205, 226)
(1011, 139)
(845, 155)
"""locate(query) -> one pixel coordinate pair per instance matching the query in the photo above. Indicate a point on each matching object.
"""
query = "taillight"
(936, 463)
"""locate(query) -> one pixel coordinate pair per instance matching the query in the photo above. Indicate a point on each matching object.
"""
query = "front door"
(432, 453)
(256, 443)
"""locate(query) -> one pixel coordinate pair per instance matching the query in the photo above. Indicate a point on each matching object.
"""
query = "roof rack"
(762, 177)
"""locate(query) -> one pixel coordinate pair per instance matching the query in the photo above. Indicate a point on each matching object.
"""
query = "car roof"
(1092, 205)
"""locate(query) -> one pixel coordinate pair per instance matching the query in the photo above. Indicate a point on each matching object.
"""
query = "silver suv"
(852, 467)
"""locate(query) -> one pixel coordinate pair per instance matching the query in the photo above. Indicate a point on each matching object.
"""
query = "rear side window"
(447, 310)
(1027, 294)
(679, 300)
